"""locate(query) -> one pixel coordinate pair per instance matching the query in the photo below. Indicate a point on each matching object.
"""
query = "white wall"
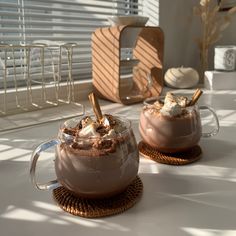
(181, 27)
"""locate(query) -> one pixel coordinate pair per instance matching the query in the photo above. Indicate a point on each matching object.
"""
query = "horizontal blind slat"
(91, 3)
(80, 17)
(106, 4)
(62, 23)
(9, 14)
(96, 9)
(67, 38)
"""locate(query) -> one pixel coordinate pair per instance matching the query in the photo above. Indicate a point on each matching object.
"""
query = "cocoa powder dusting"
(70, 131)
(98, 145)
(104, 144)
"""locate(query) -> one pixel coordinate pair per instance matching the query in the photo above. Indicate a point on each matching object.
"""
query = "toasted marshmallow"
(171, 109)
(158, 105)
(89, 131)
(171, 106)
(182, 101)
(105, 121)
(86, 121)
(108, 120)
(169, 98)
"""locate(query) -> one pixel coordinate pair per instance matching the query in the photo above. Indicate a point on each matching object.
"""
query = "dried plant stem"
(213, 24)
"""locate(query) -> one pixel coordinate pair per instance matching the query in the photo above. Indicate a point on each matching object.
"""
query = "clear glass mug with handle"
(91, 167)
(170, 134)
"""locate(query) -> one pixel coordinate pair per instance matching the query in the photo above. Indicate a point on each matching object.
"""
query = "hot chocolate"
(170, 125)
(97, 159)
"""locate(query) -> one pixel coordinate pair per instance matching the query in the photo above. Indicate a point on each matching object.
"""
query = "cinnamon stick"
(195, 97)
(95, 105)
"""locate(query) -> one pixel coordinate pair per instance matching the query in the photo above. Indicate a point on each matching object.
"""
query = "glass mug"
(170, 134)
(88, 171)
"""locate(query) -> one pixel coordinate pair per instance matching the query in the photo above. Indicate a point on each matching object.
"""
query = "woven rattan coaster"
(93, 208)
(180, 158)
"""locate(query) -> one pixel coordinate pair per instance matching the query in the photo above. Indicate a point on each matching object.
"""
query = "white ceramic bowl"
(128, 20)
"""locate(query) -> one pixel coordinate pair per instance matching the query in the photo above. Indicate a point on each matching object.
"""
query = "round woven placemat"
(180, 158)
(93, 208)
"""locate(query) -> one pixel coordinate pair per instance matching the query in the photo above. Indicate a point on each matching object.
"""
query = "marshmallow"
(105, 121)
(171, 106)
(158, 105)
(169, 97)
(89, 131)
(171, 109)
(86, 121)
(182, 101)
(113, 122)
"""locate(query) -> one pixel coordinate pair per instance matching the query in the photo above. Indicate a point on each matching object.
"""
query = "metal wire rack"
(29, 66)
(37, 76)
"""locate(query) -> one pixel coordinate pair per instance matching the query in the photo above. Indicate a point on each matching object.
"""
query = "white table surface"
(192, 200)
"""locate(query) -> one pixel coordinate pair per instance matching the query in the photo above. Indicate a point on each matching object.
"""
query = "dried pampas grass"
(213, 24)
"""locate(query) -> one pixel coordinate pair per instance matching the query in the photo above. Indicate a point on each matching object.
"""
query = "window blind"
(61, 21)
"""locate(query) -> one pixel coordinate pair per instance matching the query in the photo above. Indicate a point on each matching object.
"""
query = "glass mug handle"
(34, 158)
(217, 125)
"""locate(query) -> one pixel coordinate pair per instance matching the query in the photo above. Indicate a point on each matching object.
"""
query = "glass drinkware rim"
(148, 101)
